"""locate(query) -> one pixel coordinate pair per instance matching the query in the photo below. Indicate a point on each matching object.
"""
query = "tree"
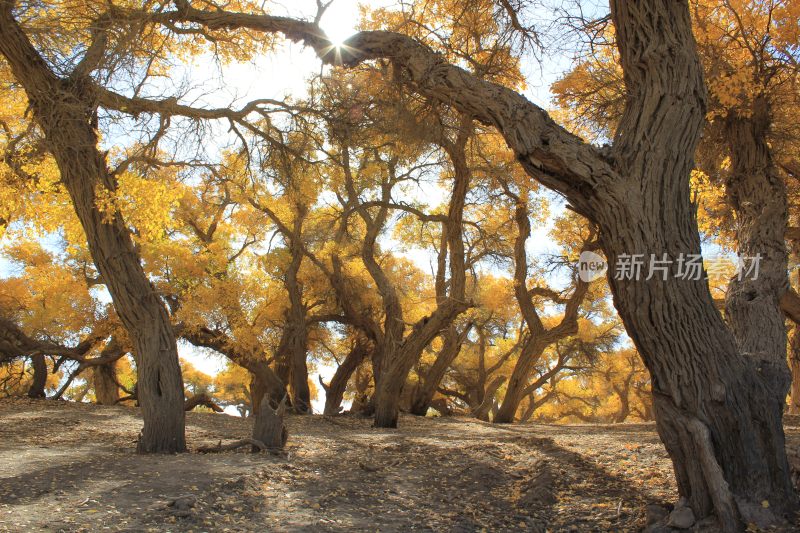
(718, 388)
(615, 389)
(638, 194)
(64, 108)
(539, 336)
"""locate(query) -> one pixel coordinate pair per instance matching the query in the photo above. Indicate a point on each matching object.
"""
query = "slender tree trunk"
(540, 337)
(530, 408)
(482, 411)
(104, 378)
(429, 381)
(515, 390)
(624, 405)
(64, 109)
(334, 392)
(39, 365)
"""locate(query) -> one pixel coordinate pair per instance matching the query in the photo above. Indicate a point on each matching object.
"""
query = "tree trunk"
(398, 361)
(429, 381)
(64, 108)
(794, 407)
(268, 425)
(481, 412)
(293, 348)
(515, 390)
(257, 392)
(301, 393)
(716, 406)
(387, 399)
(104, 378)
(624, 405)
(334, 392)
(39, 365)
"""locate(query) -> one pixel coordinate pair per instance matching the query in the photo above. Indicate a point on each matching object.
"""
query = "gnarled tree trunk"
(39, 365)
(423, 394)
(104, 379)
(268, 426)
(64, 108)
(539, 337)
(718, 409)
(334, 391)
(794, 358)
(264, 378)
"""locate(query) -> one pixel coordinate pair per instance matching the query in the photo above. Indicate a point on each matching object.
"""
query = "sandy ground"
(72, 467)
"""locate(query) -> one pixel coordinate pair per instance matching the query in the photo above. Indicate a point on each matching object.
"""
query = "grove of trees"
(412, 223)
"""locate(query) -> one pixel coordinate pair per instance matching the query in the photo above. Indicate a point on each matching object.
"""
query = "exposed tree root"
(253, 443)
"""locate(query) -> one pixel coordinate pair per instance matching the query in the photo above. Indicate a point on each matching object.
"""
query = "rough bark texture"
(268, 425)
(334, 391)
(64, 108)
(39, 365)
(715, 408)
(104, 379)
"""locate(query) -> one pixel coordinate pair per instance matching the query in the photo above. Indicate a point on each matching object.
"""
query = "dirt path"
(71, 467)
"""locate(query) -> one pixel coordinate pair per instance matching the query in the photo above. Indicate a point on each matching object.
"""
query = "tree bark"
(715, 404)
(268, 425)
(482, 411)
(257, 392)
(334, 391)
(452, 248)
(39, 381)
(429, 381)
(794, 357)
(104, 378)
(64, 108)
(539, 337)
(387, 399)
